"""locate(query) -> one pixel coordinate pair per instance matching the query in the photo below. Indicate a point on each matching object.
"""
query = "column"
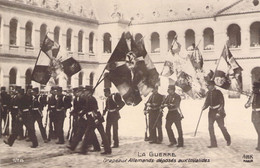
(20, 39)
(6, 37)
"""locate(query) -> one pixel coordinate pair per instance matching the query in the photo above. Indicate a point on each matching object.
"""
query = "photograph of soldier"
(153, 108)
(14, 106)
(37, 107)
(85, 125)
(5, 103)
(78, 102)
(114, 103)
(51, 110)
(215, 101)
(172, 101)
(59, 116)
(23, 117)
(254, 100)
(94, 121)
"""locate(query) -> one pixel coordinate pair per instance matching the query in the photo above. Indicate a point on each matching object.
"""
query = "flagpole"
(218, 63)
(99, 79)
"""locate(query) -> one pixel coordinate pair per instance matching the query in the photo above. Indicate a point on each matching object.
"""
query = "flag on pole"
(196, 59)
(228, 72)
(120, 67)
(50, 47)
(71, 66)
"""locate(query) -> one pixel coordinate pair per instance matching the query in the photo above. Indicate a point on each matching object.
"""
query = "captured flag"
(196, 59)
(119, 66)
(50, 47)
(71, 66)
(228, 72)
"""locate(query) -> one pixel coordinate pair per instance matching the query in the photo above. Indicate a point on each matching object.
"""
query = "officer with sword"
(172, 102)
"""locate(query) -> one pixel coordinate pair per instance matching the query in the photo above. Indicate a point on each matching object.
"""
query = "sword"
(6, 122)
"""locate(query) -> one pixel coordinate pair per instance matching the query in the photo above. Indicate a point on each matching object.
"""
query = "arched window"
(43, 31)
(91, 42)
(57, 34)
(107, 43)
(91, 79)
(80, 41)
(155, 43)
(234, 34)
(69, 35)
(170, 38)
(28, 75)
(28, 34)
(80, 78)
(208, 35)
(13, 32)
(107, 82)
(13, 76)
(138, 37)
(189, 40)
(255, 34)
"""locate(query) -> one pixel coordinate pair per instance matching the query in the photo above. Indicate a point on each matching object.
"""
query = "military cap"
(88, 87)
(75, 89)
(36, 89)
(18, 88)
(107, 90)
(59, 89)
(3, 88)
(171, 87)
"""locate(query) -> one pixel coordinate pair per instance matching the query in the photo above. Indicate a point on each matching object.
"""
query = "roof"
(241, 7)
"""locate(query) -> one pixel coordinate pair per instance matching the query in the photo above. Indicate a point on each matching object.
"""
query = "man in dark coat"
(114, 103)
(5, 103)
(172, 101)
(254, 100)
(215, 102)
(153, 108)
(24, 117)
(37, 107)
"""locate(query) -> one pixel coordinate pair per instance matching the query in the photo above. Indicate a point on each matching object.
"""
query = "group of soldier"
(26, 108)
(214, 101)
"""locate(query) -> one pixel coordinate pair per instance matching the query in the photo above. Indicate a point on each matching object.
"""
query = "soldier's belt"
(15, 106)
(25, 110)
(112, 110)
(153, 109)
(214, 107)
(35, 108)
(4, 105)
(52, 106)
(256, 109)
(59, 109)
(173, 109)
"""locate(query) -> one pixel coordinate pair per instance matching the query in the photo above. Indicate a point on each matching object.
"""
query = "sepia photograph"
(130, 83)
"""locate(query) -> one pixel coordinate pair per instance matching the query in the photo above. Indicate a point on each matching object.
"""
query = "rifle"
(198, 123)
(146, 138)
(46, 120)
(69, 131)
(157, 119)
(6, 122)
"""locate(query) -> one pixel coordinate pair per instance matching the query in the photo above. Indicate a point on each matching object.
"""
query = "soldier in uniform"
(114, 103)
(153, 107)
(37, 107)
(24, 117)
(77, 107)
(254, 100)
(59, 116)
(52, 111)
(14, 111)
(215, 102)
(5, 103)
(172, 101)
